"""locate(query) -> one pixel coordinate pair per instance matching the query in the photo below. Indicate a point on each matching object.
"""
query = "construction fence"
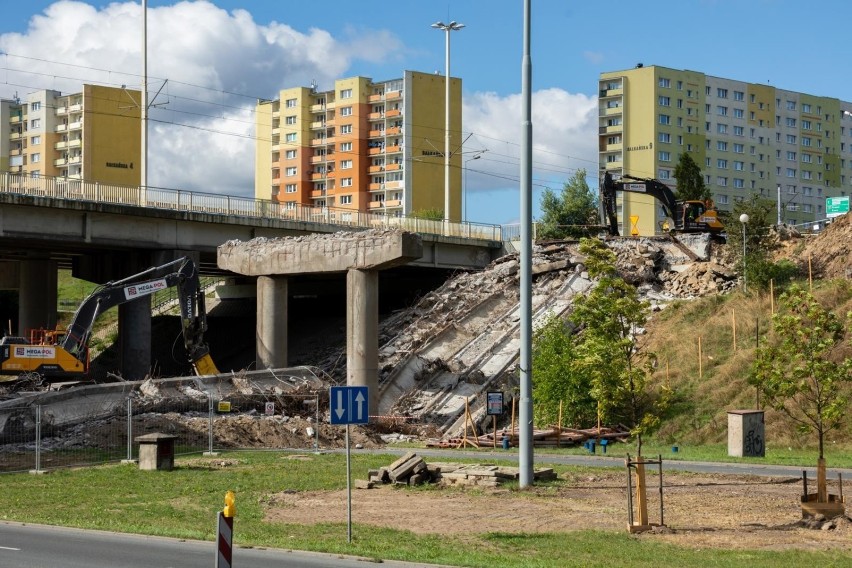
(97, 430)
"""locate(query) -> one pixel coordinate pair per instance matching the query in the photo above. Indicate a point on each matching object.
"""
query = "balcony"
(393, 95)
(393, 203)
(275, 131)
(61, 110)
(393, 149)
(376, 98)
(78, 107)
(15, 136)
(392, 113)
(393, 130)
(319, 141)
(60, 145)
(611, 93)
(75, 143)
(78, 125)
(376, 150)
(376, 116)
(375, 169)
(318, 159)
(376, 186)
(318, 107)
(15, 119)
(609, 129)
(61, 127)
(376, 204)
(393, 167)
(317, 124)
(317, 193)
(393, 184)
(60, 162)
(377, 134)
(611, 111)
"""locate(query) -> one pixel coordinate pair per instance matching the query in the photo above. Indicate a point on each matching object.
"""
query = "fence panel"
(17, 439)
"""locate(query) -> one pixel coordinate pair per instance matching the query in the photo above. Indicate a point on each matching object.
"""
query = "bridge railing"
(217, 204)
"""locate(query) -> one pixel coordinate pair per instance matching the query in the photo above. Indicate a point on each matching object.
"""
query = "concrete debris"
(553, 437)
(411, 469)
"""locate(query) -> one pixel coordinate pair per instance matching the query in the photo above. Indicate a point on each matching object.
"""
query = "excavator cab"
(691, 215)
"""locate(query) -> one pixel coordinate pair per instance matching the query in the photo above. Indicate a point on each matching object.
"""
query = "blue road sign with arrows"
(349, 405)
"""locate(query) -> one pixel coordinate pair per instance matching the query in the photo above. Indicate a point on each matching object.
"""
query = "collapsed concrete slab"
(360, 254)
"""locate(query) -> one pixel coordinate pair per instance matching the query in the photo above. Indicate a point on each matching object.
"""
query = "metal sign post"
(349, 405)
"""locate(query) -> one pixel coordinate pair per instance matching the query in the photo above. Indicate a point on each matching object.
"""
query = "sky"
(212, 60)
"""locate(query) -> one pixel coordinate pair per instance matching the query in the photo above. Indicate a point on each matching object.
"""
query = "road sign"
(349, 405)
(836, 206)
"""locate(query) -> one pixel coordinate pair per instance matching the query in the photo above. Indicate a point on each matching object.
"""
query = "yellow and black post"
(226, 532)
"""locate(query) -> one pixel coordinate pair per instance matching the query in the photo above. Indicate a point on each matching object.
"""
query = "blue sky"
(220, 56)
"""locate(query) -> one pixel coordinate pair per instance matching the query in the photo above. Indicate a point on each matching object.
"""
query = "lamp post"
(452, 26)
(466, 162)
(744, 220)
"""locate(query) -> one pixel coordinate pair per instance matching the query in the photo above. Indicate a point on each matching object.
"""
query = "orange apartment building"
(366, 146)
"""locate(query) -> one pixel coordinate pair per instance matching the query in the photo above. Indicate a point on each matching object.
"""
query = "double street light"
(447, 28)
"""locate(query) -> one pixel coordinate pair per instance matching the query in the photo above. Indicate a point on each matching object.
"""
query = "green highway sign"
(836, 206)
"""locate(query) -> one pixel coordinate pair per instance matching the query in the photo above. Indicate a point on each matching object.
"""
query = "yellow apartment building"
(367, 146)
(93, 135)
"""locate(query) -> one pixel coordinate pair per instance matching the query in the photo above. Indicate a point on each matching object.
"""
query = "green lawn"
(183, 504)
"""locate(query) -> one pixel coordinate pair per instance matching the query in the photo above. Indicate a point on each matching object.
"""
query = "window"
(346, 182)
(738, 131)
(739, 183)
(791, 172)
(665, 101)
(346, 146)
(722, 110)
(665, 137)
(665, 119)
(722, 181)
(807, 191)
(722, 128)
(806, 141)
(35, 123)
(806, 158)
(290, 154)
(791, 156)
(722, 164)
(291, 171)
(346, 200)
(739, 96)
(346, 129)
(738, 113)
(35, 158)
(35, 140)
(665, 83)
(664, 174)
(806, 107)
(791, 139)
(739, 149)
(806, 125)
(723, 199)
(346, 94)
(806, 174)
(290, 103)
(707, 109)
(290, 119)
(290, 137)
(722, 146)
(791, 105)
(346, 164)
(791, 122)
(665, 156)
(346, 111)
(739, 166)
(722, 93)
(35, 106)
(680, 85)
(290, 188)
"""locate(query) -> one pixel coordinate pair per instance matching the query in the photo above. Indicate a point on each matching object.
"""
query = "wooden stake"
(495, 431)
(810, 275)
(513, 416)
(700, 361)
(822, 490)
(734, 327)
(559, 425)
(771, 297)
(641, 492)
(667, 372)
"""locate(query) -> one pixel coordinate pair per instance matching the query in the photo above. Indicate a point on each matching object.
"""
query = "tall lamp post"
(452, 26)
(744, 220)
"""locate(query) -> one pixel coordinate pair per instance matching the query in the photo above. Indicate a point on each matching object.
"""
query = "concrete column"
(134, 337)
(271, 331)
(37, 295)
(362, 332)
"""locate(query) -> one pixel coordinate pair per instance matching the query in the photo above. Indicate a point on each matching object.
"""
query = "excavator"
(693, 216)
(64, 356)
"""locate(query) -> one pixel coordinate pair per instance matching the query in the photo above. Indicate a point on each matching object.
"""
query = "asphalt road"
(40, 546)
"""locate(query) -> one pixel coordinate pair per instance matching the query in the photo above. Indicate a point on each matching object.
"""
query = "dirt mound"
(829, 251)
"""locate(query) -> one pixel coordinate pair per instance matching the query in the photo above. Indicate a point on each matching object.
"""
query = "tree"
(569, 213)
(802, 371)
(690, 182)
(593, 361)
(757, 265)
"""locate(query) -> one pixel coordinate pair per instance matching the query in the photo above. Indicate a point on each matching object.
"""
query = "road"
(41, 546)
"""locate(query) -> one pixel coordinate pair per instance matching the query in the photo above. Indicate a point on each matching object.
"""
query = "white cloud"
(208, 54)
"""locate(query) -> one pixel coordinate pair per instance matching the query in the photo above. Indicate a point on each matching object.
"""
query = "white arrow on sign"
(359, 398)
(340, 410)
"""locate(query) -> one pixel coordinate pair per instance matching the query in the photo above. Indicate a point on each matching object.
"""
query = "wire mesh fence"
(101, 429)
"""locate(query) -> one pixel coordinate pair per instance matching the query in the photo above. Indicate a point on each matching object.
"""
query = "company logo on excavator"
(144, 288)
(25, 352)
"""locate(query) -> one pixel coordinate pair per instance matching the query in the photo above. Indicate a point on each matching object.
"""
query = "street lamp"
(452, 26)
(744, 220)
(466, 162)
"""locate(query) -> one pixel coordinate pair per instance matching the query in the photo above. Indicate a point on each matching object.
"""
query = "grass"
(183, 503)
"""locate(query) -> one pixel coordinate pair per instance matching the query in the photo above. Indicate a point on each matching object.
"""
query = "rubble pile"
(412, 469)
(699, 279)
(553, 437)
(829, 252)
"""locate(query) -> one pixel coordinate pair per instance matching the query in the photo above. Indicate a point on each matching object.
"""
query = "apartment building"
(747, 138)
(93, 135)
(368, 146)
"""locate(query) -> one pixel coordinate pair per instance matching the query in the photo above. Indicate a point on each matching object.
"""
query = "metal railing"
(229, 205)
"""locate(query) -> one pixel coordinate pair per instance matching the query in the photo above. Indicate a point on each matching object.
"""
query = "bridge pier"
(134, 337)
(271, 330)
(37, 295)
(361, 255)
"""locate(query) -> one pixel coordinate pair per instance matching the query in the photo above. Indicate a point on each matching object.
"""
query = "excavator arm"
(180, 273)
(655, 189)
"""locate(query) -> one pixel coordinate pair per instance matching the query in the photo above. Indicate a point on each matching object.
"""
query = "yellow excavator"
(692, 216)
(64, 356)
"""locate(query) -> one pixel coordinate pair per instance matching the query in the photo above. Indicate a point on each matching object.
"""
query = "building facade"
(368, 146)
(747, 138)
(93, 135)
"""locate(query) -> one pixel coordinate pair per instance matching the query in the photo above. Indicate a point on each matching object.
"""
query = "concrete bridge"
(104, 232)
